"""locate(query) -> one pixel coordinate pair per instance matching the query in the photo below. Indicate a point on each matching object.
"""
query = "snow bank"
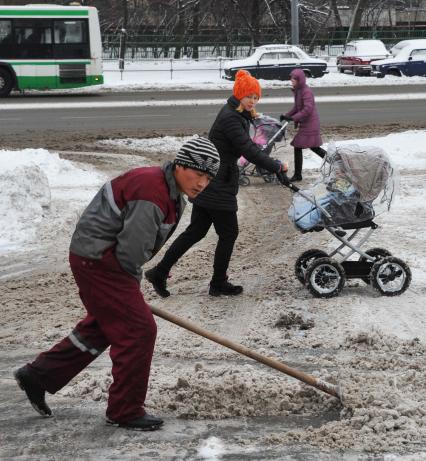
(30, 181)
(207, 75)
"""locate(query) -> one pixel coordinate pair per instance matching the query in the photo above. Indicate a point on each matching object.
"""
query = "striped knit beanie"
(199, 154)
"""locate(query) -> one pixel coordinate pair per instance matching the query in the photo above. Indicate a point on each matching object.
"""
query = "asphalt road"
(34, 112)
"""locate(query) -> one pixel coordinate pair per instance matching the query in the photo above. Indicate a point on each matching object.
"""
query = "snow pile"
(216, 392)
(406, 150)
(32, 181)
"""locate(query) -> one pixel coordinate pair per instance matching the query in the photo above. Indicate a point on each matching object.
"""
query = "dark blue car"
(410, 61)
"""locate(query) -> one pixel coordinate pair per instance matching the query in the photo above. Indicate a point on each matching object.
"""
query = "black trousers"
(298, 158)
(226, 226)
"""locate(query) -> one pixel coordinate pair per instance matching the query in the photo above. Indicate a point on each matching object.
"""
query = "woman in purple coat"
(305, 117)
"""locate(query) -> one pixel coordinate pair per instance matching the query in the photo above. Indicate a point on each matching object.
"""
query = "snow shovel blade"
(331, 389)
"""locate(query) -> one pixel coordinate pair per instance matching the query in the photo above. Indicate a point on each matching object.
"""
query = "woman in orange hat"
(217, 204)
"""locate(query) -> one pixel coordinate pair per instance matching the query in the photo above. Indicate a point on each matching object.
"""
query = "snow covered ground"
(207, 75)
(216, 404)
(35, 182)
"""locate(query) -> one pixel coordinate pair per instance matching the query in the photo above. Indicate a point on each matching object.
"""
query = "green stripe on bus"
(53, 82)
(44, 63)
(31, 12)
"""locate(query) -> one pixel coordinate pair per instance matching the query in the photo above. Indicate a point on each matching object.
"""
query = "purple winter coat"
(304, 114)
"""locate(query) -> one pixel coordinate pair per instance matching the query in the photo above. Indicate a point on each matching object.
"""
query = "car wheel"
(394, 72)
(340, 69)
(6, 83)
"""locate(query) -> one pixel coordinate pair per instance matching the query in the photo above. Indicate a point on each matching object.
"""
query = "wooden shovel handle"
(273, 363)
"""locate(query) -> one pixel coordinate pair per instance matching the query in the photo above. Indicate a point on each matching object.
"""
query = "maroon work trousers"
(117, 316)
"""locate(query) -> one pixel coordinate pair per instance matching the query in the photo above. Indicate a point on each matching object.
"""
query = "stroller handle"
(292, 187)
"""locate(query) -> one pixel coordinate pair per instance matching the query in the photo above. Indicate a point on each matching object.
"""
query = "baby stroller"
(356, 184)
(265, 131)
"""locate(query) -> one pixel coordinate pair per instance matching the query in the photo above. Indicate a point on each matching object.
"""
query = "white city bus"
(49, 46)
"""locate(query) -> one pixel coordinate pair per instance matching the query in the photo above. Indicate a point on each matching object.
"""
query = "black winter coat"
(230, 134)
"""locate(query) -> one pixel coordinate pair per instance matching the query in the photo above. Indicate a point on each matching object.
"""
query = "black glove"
(267, 150)
(285, 117)
(282, 175)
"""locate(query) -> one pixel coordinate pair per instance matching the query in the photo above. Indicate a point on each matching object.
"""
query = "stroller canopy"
(367, 168)
(356, 184)
(265, 128)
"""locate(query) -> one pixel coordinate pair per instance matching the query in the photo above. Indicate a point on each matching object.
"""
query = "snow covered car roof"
(402, 56)
(366, 48)
(403, 43)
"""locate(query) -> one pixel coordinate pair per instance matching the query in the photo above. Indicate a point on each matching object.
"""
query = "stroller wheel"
(243, 181)
(390, 276)
(376, 253)
(325, 278)
(304, 260)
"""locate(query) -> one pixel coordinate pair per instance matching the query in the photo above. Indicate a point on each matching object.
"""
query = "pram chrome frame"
(325, 276)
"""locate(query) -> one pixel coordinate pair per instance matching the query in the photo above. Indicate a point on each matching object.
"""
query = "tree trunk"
(195, 28)
(179, 29)
(317, 30)
(125, 10)
(356, 18)
(255, 22)
(337, 20)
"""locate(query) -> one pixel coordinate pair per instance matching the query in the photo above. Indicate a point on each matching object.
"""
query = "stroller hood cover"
(367, 168)
(265, 128)
(356, 183)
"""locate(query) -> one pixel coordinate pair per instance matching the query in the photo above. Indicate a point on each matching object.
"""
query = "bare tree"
(337, 19)
(356, 18)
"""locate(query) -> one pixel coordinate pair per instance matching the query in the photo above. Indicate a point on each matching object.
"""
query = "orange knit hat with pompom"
(245, 85)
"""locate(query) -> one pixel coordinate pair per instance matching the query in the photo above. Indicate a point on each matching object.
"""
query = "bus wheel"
(6, 83)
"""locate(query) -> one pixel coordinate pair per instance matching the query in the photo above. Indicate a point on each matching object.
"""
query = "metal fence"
(140, 47)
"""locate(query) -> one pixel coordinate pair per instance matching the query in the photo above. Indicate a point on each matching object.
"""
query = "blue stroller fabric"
(343, 207)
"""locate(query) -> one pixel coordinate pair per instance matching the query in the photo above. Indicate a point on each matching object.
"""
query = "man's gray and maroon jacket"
(134, 214)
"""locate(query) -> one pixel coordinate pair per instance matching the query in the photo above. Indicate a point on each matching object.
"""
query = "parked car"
(410, 61)
(400, 45)
(358, 55)
(275, 62)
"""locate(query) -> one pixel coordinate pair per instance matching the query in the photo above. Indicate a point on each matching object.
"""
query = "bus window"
(33, 38)
(6, 39)
(71, 39)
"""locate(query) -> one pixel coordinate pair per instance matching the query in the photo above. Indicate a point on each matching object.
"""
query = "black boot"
(142, 423)
(296, 178)
(158, 281)
(298, 164)
(224, 288)
(35, 393)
